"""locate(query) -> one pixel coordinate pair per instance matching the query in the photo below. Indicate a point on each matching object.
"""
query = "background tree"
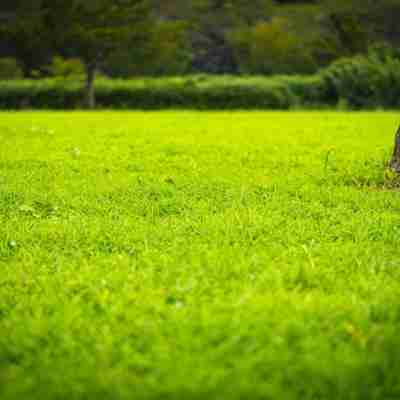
(167, 51)
(271, 48)
(213, 22)
(378, 20)
(23, 34)
(92, 29)
(192, 36)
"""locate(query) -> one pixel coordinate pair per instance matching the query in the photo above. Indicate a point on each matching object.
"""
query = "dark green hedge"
(364, 81)
(199, 92)
(360, 82)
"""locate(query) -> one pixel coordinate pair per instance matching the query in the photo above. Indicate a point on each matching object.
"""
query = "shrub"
(9, 69)
(196, 92)
(362, 82)
(365, 81)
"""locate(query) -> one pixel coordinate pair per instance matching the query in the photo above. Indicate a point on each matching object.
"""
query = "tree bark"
(90, 96)
(395, 162)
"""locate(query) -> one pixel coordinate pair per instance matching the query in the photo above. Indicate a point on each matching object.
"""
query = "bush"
(368, 81)
(196, 92)
(9, 69)
(362, 82)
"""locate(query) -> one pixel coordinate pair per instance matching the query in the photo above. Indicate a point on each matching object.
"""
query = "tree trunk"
(90, 97)
(395, 162)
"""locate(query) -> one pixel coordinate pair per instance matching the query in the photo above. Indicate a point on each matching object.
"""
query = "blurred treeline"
(262, 37)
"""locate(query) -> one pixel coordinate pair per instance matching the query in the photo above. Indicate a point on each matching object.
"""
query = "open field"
(184, 255)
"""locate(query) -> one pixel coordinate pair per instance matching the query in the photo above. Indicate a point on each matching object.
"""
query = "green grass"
(184, 255)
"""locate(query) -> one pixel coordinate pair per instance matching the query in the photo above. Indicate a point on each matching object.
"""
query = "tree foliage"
(23, 33)
(87, 29)
(378, 20)
(92, 29)
(270, 48)
(158, 37)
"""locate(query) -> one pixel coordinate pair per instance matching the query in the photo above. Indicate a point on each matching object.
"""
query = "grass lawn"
(185, 255)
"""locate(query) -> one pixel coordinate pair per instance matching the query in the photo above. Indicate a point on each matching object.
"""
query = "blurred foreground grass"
(198, 256)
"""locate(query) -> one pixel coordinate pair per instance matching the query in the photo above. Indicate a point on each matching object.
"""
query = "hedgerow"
(197, 92)
(361, 82)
